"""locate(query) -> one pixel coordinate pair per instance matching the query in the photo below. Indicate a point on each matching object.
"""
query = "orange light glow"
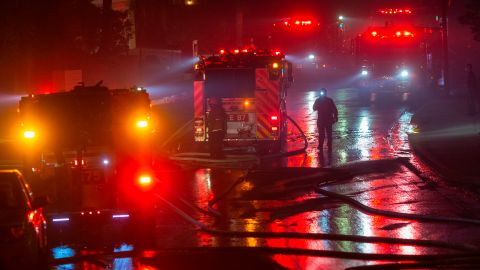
(398, 33)
(275, 65)
(29, 134)
(277, 52)
(374, 33)
(274, 128)
(199, 129)
(297, 22)
(142, 123)
(246, 103)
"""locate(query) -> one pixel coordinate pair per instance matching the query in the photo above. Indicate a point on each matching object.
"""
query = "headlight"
(404, 73)
(142, 123)
(364, 72)
(29, 134)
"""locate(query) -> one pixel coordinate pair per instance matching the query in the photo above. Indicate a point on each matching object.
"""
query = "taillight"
(274, 118)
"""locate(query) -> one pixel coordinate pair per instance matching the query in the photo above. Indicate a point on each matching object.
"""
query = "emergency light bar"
(395, 11)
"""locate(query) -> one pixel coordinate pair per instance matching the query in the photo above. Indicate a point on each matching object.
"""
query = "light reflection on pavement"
(363, 133)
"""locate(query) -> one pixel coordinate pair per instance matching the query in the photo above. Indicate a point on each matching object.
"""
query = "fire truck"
(397, 58)
(252, 86)
(89, 149)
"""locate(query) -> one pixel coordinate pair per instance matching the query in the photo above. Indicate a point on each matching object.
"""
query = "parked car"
(22, 224)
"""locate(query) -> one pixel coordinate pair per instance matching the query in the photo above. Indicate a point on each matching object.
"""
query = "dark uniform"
(217, 127)
(327, 116)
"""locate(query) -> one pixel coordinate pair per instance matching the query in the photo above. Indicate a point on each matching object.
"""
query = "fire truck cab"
(88, 148)
(252, 86)
(401, 57)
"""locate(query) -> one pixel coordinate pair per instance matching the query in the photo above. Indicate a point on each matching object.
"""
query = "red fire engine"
(397, 57)
(252, 86)
(88, 148)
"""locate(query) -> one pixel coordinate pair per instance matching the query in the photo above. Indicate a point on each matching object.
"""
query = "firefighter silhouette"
(327, 116)
(217, 127)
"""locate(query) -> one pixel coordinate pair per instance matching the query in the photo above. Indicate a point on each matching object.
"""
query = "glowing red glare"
(398, 33)
(199, 129)
(407, 33)
(274, 118)
(222, 51)
(278, 52)
(82, 213)
(374, 33)
(98, 212)
(236, 51)
(297, 22)
(244, 50)
(90, 213)
(306, 22)
(285, 22)
(274, 128)
(145, 180)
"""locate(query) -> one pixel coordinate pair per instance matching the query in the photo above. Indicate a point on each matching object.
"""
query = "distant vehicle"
(22, 224)
(400, 59)
(252, 86)
(90, 149)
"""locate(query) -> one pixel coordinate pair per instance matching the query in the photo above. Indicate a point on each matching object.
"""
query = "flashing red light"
(236, 51)
(285, 23)
(76, 162)
(394, 11)
(407, 34)
(398, 33)
(222, 51)
(297, 22)
(274, 118)
(145, 180)
(278, 52)
(374, 33)
(244, 50)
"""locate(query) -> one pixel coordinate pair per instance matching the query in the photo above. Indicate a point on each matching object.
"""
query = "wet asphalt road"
(285, 201)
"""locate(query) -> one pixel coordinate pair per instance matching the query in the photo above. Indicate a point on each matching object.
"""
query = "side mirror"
(40, 201)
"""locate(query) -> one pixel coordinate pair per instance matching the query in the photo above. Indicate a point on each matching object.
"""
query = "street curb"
(428, 158)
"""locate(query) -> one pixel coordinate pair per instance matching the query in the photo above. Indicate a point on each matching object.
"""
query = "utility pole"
(239, 23)
(444, 29)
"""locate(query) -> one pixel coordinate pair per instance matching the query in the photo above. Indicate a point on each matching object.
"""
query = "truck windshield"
(230, 83)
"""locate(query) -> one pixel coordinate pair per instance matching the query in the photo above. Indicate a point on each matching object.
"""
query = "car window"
(10, 193)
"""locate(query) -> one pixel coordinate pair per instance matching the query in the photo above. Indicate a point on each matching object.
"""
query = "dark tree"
(471, 17)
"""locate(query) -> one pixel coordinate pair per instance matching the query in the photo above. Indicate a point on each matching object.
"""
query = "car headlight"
(404, 73)
(364, 72)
